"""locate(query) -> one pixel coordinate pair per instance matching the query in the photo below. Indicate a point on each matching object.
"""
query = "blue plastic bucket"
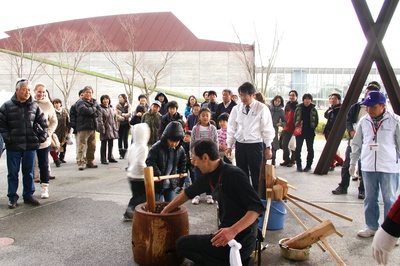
(276, 218)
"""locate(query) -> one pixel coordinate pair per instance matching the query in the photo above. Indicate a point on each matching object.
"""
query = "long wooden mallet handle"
(309, 213)
(332, 251)
(321, 208)
(299, 221)
(149, 186)
(267, 210)
(164, 177)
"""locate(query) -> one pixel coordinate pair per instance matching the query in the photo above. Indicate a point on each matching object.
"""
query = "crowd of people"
(214, 143)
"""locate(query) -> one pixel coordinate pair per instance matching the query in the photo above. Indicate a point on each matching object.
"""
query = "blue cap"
(373, 98)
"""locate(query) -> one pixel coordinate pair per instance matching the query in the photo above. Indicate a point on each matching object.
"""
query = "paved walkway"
(80, 224)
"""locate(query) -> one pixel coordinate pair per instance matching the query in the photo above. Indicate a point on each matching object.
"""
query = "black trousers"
(345, 181)
(310, 149)
(198, 248)
(249, 157)
(104, 144)
(286, 136)
(123, 133)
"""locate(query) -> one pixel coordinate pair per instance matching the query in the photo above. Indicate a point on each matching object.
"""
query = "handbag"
(55, 143)
(299, 129)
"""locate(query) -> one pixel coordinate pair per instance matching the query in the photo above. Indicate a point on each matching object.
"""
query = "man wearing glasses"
(251, 130)
(23, 127)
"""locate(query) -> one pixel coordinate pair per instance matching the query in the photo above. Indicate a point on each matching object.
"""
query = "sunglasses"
(21, 81)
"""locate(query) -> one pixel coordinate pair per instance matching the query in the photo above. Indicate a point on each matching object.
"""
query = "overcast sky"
(315, 33)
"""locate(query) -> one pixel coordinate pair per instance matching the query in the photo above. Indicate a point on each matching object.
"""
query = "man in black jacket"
(23, 127)
(87, 111)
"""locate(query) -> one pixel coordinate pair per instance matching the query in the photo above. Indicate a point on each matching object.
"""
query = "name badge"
(374, 147)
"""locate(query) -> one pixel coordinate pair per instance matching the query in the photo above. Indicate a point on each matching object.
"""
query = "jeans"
(388, 184)
(14, 159)
(43, 163)
(167, 195)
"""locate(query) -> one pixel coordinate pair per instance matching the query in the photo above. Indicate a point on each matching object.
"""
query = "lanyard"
(218, 183)
(375, 129)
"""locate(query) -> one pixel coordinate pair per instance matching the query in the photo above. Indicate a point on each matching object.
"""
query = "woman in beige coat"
(44, 148)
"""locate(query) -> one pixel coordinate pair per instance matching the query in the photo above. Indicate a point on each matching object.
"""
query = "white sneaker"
(44, 191)
(366, 233)
(209, 199)
(196, 200)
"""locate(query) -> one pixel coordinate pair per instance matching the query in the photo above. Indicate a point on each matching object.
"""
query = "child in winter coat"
(137, 154)
(203, 129)
(189, 167)
(171, 115)
(167, 157)
(152, 118)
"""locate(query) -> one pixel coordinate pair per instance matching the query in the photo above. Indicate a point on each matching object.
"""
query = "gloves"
(234, 254)
(382, 245)
(352, 170)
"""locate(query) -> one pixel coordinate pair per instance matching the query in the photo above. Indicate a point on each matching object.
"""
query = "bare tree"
(21, 48)
(127, 69)
(250, 65)
(248, 62)
(133, 66)
(152, 72)
(71, 48)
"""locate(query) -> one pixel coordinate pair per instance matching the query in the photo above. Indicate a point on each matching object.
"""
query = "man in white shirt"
(251, 130)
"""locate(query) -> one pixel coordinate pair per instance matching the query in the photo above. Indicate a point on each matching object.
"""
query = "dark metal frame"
(373, 52)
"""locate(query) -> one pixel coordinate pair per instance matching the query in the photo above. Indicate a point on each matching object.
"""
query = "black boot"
(121, 152)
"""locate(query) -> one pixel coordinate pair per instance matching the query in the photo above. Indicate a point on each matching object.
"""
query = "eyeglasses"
(21, 81)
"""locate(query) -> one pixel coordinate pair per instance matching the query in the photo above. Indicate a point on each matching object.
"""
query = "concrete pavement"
(80, 224)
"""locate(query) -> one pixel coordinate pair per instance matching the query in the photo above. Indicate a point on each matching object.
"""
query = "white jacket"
(138, 151)
(386, 158)
(254, 127)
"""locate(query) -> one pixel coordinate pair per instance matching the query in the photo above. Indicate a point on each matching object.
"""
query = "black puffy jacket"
(86, 114)
(159, 154)
(16, 124)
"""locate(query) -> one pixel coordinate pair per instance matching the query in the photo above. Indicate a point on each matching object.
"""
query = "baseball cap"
(157, 102)
(373, 98)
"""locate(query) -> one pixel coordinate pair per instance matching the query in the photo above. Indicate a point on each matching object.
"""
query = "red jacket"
(289, 113)
(392, 222)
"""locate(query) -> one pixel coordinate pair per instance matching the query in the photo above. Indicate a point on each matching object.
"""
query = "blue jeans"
(388, 183)
(14, 159)
(168, 195)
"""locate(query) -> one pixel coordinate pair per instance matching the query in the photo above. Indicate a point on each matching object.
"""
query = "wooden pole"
(310, 213)
(321, 208)
(278, 195)
(266, 215)
(149, 186)
(332, 251)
